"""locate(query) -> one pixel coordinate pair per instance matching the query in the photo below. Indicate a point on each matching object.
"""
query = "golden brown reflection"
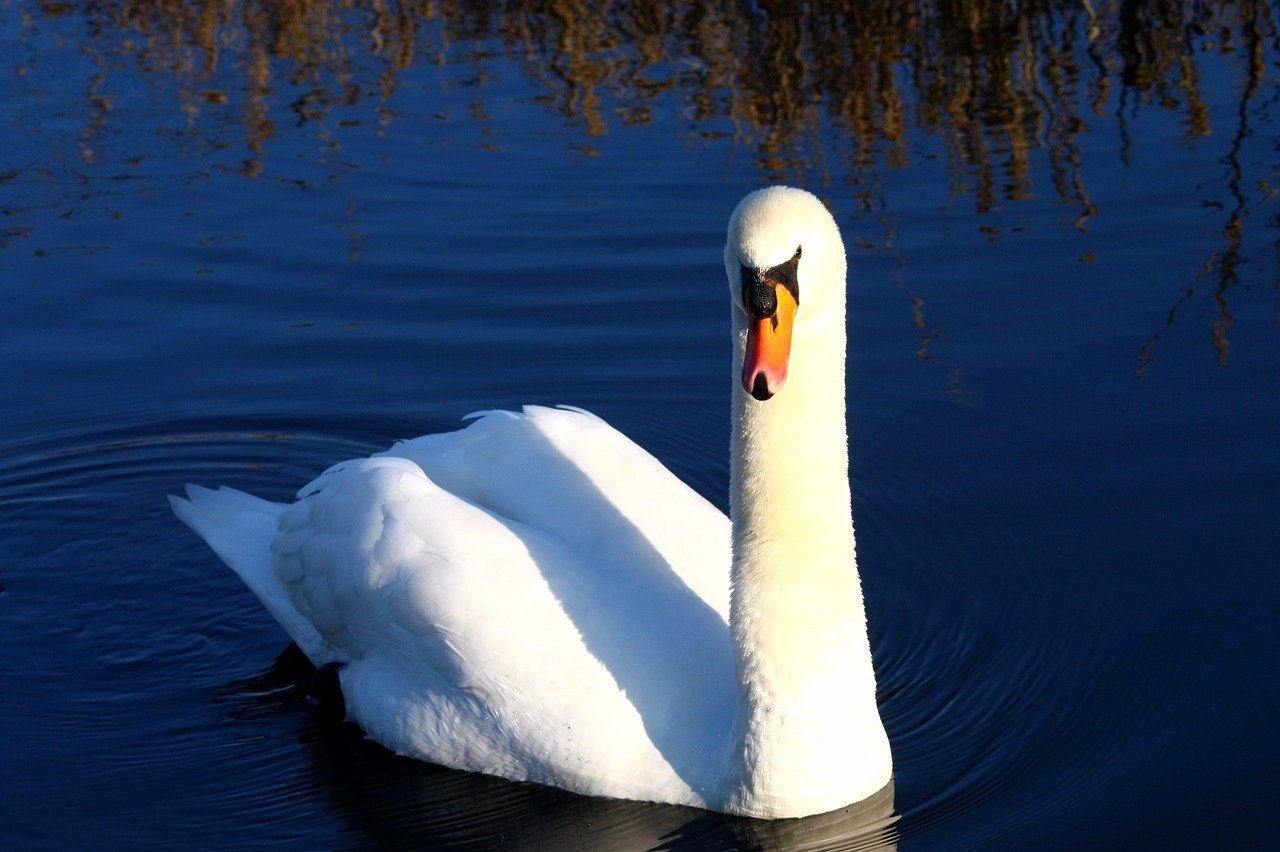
(995, 82)
(1253, 25)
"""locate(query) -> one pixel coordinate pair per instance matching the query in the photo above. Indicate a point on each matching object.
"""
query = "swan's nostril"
(760, 390)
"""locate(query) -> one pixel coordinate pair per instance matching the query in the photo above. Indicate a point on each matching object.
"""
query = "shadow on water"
(804, 88)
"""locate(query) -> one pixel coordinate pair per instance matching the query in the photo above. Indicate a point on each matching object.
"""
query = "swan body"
(536, 597)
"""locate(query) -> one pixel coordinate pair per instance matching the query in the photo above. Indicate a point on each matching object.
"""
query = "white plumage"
(537, 597)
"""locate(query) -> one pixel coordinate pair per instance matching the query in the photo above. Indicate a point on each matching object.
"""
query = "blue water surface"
(240, 266)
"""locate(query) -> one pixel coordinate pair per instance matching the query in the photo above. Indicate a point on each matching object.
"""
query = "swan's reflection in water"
(863, 825)
(390, 801)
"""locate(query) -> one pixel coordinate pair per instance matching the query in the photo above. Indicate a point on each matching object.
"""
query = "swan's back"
(569, 474)
(533, 596)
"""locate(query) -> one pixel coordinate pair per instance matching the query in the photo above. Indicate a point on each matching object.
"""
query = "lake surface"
(243, 240)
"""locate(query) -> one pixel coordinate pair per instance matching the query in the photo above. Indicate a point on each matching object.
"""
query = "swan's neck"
(808, 736)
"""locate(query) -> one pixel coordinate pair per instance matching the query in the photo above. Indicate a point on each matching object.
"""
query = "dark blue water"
(241, 244)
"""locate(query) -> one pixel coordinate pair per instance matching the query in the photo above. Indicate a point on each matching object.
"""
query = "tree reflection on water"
(998, 83)
(995, 79)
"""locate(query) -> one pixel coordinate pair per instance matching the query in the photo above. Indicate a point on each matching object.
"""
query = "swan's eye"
(758, 297)
(786, 275)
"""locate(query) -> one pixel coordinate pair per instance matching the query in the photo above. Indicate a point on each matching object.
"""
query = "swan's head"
(785, 261)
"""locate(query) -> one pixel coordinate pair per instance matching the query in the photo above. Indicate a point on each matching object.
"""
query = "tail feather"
(240, 528)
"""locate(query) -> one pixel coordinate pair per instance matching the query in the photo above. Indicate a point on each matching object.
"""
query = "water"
(243, 241)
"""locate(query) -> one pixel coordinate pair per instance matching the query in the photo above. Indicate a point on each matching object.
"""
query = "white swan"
(536, 597)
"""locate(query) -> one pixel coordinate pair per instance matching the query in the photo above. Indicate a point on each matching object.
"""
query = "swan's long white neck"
(808, 736)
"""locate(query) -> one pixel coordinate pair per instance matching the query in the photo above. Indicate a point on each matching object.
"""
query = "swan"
(536, 597)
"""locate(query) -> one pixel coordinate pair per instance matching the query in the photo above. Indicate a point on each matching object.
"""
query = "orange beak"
(764, 364)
